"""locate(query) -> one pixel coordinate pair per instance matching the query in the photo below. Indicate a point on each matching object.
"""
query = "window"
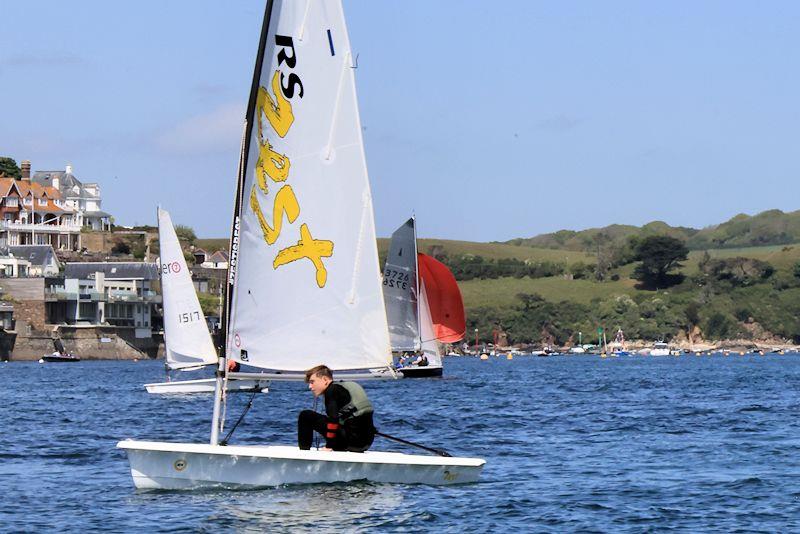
(86, 310)
(11, 202)
(43, 202)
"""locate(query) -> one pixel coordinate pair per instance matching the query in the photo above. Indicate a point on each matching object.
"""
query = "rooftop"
(112, 270)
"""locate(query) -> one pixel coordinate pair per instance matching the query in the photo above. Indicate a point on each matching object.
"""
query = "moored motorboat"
(660, 349)
(59, 357)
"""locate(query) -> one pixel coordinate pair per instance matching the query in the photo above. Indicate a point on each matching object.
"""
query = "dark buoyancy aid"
(359, 402)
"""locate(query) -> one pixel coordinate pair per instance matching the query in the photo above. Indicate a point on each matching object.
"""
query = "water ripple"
(572, 444)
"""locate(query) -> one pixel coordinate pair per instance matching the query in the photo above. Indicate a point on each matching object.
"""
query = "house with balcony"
(83, 199)
(106, 293)
(35, 214)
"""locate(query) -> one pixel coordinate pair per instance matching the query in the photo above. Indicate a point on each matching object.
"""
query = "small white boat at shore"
(60, 355)
(660, 349)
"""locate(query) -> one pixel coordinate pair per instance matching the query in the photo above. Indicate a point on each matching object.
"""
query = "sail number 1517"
(189, 317)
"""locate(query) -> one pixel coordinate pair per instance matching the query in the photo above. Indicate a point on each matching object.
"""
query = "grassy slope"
(213, 245)
(494, 250)
(502, 292)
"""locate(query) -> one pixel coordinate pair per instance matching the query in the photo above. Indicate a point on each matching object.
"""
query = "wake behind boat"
(303, 284)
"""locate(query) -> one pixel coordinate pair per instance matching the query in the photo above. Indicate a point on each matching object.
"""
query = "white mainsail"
(430, 346)
(188, 343)
(306, 290)
(305, 281)
(400, 288)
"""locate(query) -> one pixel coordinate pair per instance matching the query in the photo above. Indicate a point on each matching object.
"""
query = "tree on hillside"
(659, 255)
(9, 168)
(185, 234)
(121, 247)
(736, 272)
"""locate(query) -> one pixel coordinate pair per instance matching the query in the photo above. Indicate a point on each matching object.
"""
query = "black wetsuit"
(355, 435)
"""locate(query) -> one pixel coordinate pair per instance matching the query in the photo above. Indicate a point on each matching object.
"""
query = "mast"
(416, 273)
(161, 282)
(233, 245)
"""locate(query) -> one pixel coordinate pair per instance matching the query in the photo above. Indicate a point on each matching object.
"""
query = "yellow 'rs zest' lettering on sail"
(278, 110)
(285, 202)
(272, 164)
(307, 247)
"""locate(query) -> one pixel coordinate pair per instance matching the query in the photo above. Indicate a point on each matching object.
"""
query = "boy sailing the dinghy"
(347, 424)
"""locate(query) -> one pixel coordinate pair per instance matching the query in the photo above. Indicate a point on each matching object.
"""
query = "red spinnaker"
(444, 299)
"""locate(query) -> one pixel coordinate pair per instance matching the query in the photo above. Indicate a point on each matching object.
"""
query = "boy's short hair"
(319, 370)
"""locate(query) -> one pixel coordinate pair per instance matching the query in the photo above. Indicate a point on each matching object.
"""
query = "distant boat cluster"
(658, 349)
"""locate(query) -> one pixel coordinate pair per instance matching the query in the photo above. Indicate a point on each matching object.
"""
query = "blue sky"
(489, 120)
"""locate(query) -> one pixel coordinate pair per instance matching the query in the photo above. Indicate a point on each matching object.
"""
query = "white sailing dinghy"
(408, 304)
(188, 344)
(304, 283)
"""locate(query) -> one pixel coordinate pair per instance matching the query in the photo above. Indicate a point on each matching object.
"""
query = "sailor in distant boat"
(347, 424)
(421, 360)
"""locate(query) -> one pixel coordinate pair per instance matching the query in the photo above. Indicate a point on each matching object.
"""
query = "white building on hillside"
(83, 198)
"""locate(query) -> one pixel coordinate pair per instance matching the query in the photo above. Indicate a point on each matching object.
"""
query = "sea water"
(629, 444)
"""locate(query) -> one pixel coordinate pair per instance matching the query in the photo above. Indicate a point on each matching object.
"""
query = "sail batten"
(306, 287)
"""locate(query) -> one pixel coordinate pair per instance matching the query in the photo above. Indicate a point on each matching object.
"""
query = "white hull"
(659, 352)
(158, 465)
(205, 385)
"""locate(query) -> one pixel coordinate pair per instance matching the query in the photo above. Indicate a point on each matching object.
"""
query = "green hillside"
(491, 251)
(578, 281)
(772, 227)
(213, 245)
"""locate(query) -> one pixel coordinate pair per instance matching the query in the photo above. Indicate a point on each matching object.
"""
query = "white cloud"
(215, 131)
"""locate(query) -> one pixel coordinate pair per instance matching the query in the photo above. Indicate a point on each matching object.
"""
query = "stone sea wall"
(90, 343)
